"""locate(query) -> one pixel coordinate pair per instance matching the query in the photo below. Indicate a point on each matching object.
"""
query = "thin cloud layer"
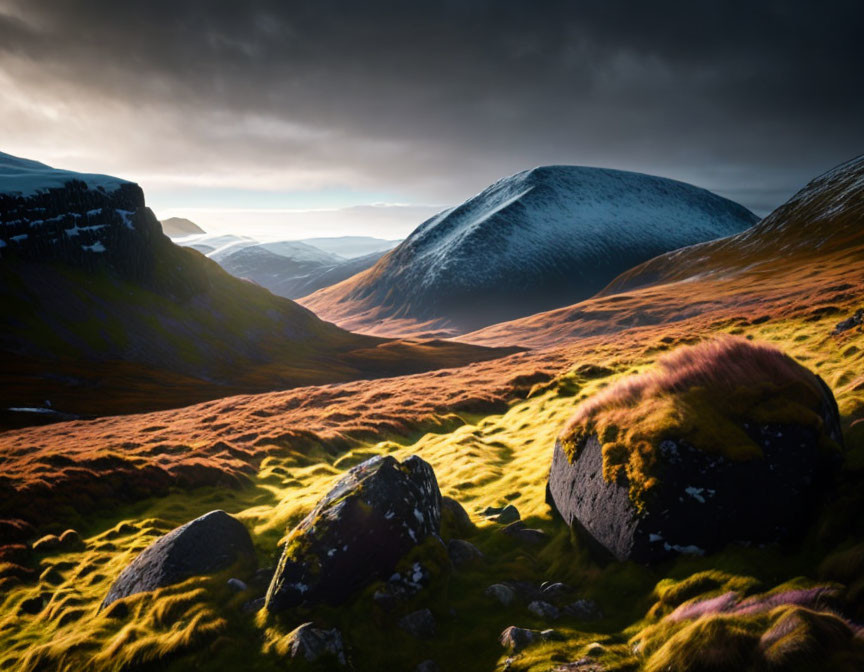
(428, 102)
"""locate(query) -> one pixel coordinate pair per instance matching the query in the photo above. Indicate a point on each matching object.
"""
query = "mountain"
(488, 430)
(103, 313)
(812, 244)
(175, 227)
(291, 270)
(539, 239)
(351, 247)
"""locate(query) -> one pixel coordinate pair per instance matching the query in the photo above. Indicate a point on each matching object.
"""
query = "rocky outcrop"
(313, 643)
(211, 543)
(702, 501)
(358, 532)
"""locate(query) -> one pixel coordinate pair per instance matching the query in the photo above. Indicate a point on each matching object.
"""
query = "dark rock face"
(702, 501)
(358, 532)
(313, 643)
(208, 544)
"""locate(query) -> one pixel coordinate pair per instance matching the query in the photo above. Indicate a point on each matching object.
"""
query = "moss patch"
(704, 395)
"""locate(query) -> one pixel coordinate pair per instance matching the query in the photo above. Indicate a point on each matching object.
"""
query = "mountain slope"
(103, 313)
(814, 243)
(174, 227)
(538, 239)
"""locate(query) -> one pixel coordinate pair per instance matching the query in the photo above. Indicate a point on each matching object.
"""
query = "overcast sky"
(243, 115)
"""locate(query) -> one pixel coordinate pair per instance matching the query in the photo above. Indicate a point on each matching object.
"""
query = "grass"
(488, 431)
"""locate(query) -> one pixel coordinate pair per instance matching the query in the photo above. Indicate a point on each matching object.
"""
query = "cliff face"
(102, 313)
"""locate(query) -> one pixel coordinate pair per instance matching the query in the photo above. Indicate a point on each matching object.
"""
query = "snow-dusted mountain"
(539, 239)
(289, 268)
(175, 227)
(101, 312)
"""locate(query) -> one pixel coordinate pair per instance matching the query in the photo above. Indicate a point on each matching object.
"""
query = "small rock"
(524, 534)
(211, 543)
(509, 514)
(504, 594)
(427, 666)
(516, 639)
(419, 624)
(851, 322)
(312, 643)
(584, 610)
(544, 610)
(237, 585)
(463, 553)
(47, 544)
(455, 519)
(490, 511)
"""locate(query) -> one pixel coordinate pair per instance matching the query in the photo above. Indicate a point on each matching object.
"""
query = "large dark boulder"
(358, 532)
(208, 544)
(701, 500)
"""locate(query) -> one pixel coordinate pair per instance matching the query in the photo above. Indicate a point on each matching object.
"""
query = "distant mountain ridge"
(103, 313)
(174, 227)
(542, 238)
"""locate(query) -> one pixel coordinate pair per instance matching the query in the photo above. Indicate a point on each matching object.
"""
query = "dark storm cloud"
(748, 98)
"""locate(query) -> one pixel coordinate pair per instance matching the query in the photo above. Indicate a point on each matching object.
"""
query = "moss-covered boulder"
(358, 532)
(211, 543)
(723, 442)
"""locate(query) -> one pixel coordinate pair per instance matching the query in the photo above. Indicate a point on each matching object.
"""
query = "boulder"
(357, 533)
(313, 643)
(211, 543)
(463, 553)
(419, 624)
(455, 521)
(544, 610)
(505, 595)
(688, 498)
(516, 639)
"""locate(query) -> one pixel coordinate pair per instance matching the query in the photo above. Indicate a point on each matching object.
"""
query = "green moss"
(705, 396)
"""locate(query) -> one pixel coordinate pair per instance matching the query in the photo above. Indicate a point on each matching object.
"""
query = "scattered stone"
(211, 543)
(584, 610)
(312, 644)
(47, 544)
(32, 605)
(516, 639)
(427, 666)
(463, 553)
(419, 624)
(237, 585)
(455, 519)
(509, 514)
(490, 511)
(358, 532)
(544, 610)
(503, 594)
(524, 534)
(856, 320)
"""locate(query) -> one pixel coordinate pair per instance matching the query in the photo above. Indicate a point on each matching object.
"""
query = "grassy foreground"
(480, 460)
